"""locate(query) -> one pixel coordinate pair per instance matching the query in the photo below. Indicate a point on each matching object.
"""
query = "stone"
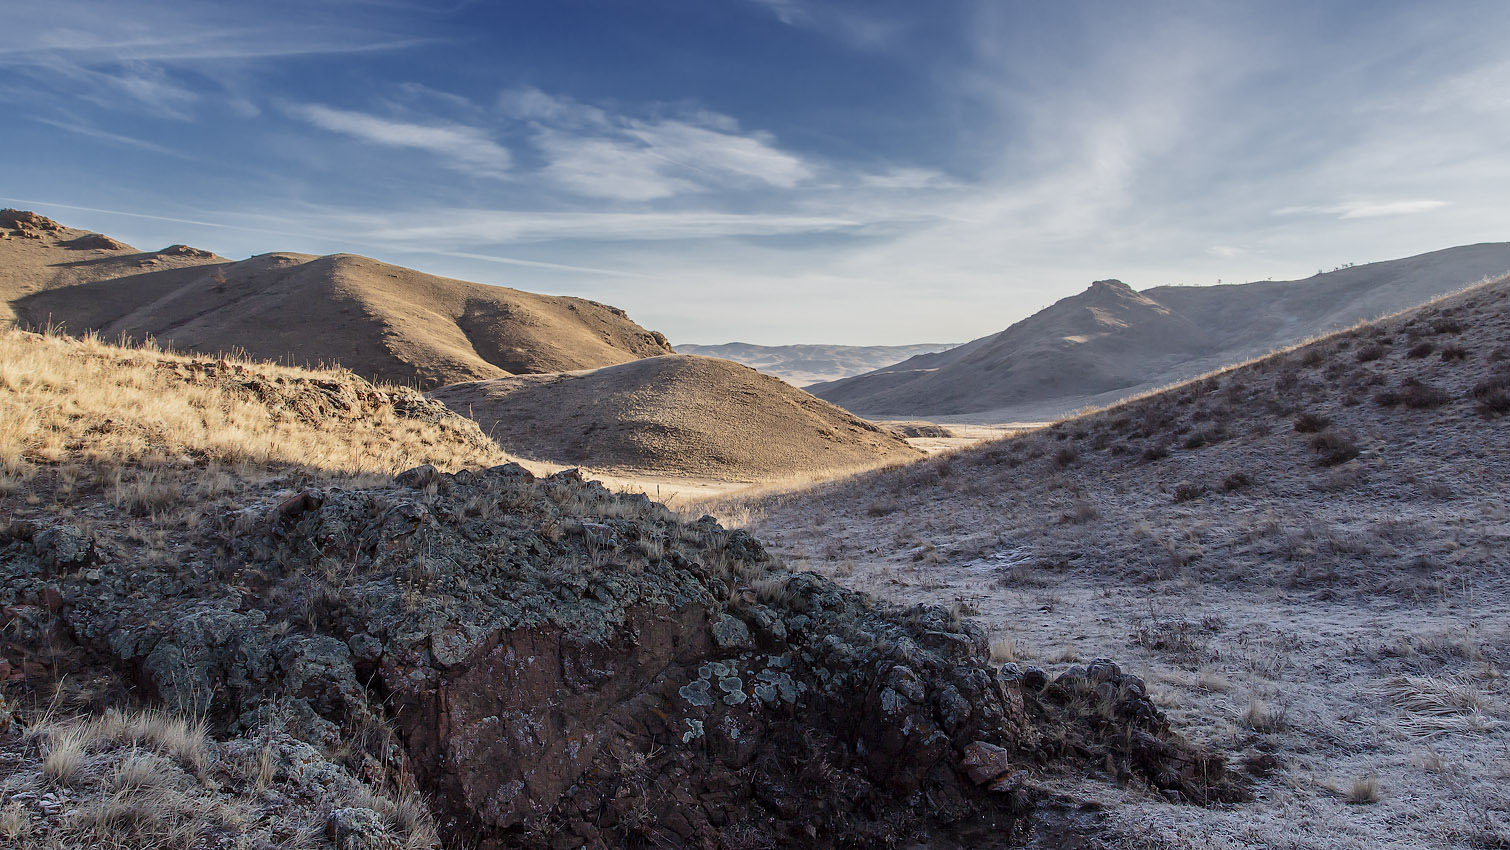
(1035, 678)
(419, 477)
(984, 762)
(358, 828)
(730, 633)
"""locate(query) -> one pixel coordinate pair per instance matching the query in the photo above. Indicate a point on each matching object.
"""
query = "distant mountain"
(801, 365)
(383, 322)
(1110, 341)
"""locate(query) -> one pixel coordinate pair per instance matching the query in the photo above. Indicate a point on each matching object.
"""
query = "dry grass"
(1335, 607)
(152, 781)
(83, 400)
(1363, 791)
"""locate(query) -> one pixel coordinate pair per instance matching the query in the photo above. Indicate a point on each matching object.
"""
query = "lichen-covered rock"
(557, 665)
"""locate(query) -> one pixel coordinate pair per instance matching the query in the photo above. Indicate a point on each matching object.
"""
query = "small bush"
(1311, 423)
(1237, 481)
(1364, 791)
(1333, 447)
(1419, 350)
(1419, 395)
(1187, 491)
(1493, 395)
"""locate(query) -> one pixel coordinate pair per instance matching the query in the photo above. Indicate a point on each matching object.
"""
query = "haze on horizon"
(773, 171)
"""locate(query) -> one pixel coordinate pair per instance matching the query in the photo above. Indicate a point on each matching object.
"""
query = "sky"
(772, 171)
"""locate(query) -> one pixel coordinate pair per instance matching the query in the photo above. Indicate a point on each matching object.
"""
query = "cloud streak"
(470, 149)
(600, 154)
(1366, 209)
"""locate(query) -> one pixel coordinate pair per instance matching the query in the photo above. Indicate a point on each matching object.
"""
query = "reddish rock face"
(509, 729)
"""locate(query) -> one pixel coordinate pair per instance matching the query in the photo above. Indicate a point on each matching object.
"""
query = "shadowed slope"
(678, 415)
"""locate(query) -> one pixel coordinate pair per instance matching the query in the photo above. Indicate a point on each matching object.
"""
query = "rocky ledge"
(554, 665)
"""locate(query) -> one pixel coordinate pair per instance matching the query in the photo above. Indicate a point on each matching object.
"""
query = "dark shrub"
(1310, 423)
(1236, 481)
(1333, 447)
(1493, 395)
(1186, 491)
(1419, 395)
(1420, 350)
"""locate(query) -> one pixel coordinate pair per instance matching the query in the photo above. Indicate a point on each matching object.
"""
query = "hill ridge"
(1184, 331)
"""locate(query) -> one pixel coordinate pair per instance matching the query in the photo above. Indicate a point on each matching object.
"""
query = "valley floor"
(1327, 702)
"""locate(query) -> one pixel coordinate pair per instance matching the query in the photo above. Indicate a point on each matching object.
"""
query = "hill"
(227, 625)
(801, 365)
(1302, 555)
(384, 322)
(1110, 342)
(675, 415)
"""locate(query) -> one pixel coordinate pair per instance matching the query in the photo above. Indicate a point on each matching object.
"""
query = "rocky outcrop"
(555, 665)
(96, 242)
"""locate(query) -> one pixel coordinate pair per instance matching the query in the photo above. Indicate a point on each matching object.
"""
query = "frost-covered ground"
(1307, 557)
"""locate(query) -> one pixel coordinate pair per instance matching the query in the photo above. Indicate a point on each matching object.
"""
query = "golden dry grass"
(66, 399)
(678, 415)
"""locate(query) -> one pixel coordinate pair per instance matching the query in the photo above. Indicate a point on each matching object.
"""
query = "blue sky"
(772, 171)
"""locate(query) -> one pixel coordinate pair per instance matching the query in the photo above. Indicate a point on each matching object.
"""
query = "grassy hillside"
(679, 415)
(383, 322)
(1303, 554)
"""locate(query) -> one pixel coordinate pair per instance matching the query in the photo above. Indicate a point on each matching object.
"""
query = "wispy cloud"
(460, 146)
(1366, 209)
(458, 226)
(115, 138)
(857, 27)
(597, 153)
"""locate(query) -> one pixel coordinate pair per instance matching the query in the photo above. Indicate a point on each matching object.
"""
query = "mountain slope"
(1091, 342)
(803, 365)
(382, 321)
(1305, 554)
(1093, 349)
(676, 415)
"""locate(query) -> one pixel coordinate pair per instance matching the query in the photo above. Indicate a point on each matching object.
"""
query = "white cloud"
(1366, 209)
(593, 152)
(467, 148)
(473, 227)
(115, 138)
(855, 28)
(908, 178)
(606, 168)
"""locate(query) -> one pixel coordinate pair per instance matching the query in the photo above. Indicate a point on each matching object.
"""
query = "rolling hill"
(679, 415)
(382, 321)
(1111, 342)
